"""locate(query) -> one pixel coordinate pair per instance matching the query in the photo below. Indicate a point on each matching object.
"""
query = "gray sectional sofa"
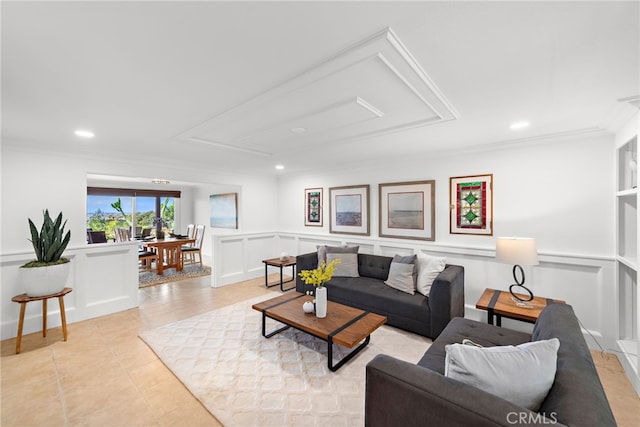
(416, 313)
(406, 394)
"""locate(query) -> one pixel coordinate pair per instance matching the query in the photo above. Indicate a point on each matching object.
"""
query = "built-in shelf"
(632, 264)
(627, 242)
(627, 193)
(628, 164)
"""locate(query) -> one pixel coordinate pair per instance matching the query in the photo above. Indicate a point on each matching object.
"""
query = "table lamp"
(518, 251)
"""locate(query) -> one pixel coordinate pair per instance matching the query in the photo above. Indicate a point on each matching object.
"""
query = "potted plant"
(318, 277)
(48, 273)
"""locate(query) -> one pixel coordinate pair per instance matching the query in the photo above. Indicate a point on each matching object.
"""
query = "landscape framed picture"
(471, 204)
(407, 210)
(349, 210)
(313, 207)
(224, 210)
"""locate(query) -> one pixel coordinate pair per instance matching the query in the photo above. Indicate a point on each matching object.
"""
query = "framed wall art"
(471, 204)
(407, 210)
(313, 207)
(224, 210)
(349, 210)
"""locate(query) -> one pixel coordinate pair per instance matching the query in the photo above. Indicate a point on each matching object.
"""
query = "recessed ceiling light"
(84, 133)
(279, 167)
(298, 130)
(160, 181)
(519, 125)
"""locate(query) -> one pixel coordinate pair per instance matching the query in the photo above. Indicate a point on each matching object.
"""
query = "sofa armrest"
(399, 393)
(305, 262)
(446, 298)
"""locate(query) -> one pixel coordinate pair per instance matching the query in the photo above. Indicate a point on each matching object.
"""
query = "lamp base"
(521, 302)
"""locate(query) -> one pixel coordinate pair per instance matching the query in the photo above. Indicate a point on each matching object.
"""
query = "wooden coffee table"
(344, 325)
(500, 304)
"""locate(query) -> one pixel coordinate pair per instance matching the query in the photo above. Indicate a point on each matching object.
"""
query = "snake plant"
(50, 242)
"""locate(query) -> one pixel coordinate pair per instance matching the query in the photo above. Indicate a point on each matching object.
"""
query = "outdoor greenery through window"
(142, 212)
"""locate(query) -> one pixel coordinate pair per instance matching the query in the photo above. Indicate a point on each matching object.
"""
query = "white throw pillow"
(428, 269)
(522, 375)
(348, 266)
(401, 277)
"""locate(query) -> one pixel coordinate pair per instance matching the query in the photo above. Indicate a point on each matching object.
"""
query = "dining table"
(169, 252)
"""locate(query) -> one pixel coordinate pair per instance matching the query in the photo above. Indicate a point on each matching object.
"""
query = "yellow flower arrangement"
(320, 275)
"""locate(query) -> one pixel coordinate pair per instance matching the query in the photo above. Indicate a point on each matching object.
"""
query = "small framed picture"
(313, 207)
(407, 210)
(471, 205)
(224, 210)
(349, 210)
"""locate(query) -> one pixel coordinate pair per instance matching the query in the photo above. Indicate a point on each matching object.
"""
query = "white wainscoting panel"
(586, 282)
(104, 278)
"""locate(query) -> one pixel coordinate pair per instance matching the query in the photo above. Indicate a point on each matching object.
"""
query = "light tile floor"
(104, 375)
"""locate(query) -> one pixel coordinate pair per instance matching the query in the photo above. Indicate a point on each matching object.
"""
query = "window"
(111, 208)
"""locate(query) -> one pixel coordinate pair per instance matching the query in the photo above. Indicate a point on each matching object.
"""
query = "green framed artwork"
(313, 207)
(471, 205)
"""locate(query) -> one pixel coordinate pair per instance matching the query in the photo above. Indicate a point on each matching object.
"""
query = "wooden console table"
(23, 299)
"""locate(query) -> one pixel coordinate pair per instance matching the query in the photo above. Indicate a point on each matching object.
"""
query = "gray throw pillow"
(401, 277)
(348, 266)
(324, 249)
(522, 375)
(409, 259)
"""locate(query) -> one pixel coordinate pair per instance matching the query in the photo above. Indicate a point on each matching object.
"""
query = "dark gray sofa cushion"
(577, 395)
(460, 328)
(373, 295)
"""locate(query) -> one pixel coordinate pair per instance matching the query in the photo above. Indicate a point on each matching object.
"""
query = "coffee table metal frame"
(329, 339)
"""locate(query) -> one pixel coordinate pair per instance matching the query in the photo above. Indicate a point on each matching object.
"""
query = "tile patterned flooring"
(104, 375)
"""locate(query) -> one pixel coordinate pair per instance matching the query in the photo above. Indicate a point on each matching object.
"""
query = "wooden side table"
(23, 299)
(281, 263)
(500, 304)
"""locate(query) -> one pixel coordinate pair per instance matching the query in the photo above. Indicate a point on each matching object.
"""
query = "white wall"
(33, 181)
(558, 192)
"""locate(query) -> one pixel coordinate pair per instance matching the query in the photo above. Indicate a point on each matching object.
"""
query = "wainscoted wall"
(585, 282)
(104, 278)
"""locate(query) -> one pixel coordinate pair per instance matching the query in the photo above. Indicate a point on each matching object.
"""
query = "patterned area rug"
(244, 379)
(150, 278)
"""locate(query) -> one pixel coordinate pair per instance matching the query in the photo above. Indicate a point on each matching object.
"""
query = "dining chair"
(146, 259)
(122, 235)
(191, 230)
(96, 237)
(189, 252)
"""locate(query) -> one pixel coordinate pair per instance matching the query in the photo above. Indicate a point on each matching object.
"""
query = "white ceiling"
(221, 85)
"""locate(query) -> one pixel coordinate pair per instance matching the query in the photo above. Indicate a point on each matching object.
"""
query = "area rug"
(244, 379)
(150, 278)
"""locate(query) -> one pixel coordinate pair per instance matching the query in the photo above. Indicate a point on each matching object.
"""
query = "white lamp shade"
(516, 250)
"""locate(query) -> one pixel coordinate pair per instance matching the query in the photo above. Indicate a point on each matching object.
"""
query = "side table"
(500, 304)
(23, 299)
(281, 263)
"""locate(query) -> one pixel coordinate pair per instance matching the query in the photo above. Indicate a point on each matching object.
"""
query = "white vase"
(321, 302)
(40, 281)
